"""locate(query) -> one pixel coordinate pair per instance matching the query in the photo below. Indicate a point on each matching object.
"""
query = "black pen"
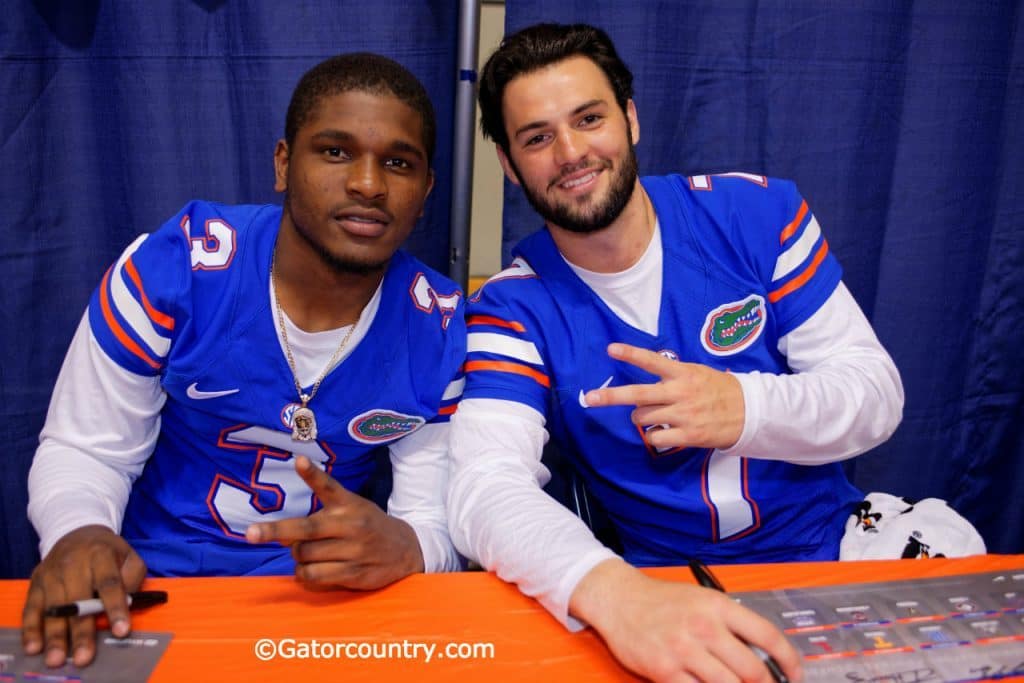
(707, 579)
(82, 608)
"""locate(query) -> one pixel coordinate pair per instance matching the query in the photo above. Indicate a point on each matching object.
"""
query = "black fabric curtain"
(903, 125)
(117, 113)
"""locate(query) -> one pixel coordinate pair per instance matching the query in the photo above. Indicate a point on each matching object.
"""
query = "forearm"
(436, 549)
(100, 429)
(845, 398)
(815, 419)
(419, 465)
(499, 515)
(69, 490)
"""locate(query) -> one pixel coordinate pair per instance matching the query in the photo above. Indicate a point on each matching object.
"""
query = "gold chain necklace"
(303, 419)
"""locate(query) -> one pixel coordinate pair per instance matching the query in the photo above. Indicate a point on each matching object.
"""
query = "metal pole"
(463, 138)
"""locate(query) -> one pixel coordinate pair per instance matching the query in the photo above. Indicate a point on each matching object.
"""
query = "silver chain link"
(303, 398)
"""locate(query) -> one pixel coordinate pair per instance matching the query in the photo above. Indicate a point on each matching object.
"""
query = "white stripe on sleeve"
(131, 310)
(798, 252)
(490, 342)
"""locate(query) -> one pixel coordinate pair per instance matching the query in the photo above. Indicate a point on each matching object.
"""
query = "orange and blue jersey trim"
(520, 357)
(115, 327)
(133, 330)
(159, 318)
(495, 322)
(798, 236)
(794, 224)
(803, 278)
(509, 367)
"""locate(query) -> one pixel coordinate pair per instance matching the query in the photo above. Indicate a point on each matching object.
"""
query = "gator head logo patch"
(734, 326)
(378, 426)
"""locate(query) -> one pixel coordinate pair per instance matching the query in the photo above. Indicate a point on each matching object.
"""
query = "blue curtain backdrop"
(903, 124)
(115, 114)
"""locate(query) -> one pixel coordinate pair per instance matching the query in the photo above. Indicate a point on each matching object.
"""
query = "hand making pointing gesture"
(350, 543)
(696, 405)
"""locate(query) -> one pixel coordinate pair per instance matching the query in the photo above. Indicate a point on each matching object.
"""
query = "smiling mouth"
(579, 177)
(576, 182)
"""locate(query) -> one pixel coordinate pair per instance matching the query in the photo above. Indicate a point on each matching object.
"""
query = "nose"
(366, 178)
(569, 147)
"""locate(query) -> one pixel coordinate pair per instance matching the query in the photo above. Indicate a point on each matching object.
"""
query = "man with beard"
(221, 401)
(687, 342)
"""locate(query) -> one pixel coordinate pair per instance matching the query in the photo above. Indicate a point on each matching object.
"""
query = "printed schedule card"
(118, 660)
(948, 629)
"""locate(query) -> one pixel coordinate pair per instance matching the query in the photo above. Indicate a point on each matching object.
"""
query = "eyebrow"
(540, 124)
(397, 146)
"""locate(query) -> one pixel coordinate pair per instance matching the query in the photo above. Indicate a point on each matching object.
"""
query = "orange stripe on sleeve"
(514, 368)
(790, 229)
(497, 322)
(156, 316)
(799, 281)
(448, 410)
(115, 327)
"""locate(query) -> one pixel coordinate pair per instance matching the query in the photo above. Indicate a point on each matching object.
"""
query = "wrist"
(593, 601)
(743, 417)
(411, 552)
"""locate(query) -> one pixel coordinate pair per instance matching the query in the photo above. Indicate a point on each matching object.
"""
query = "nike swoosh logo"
(583, 401)
(198, 395)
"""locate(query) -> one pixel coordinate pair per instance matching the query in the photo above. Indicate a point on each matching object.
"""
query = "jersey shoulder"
(428, 315)
(437, 297)
(737, 207)
(146, 297)
(761, 224)
(515, 291)
(508, 321)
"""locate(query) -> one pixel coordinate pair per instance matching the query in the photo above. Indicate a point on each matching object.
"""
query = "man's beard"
(341, 265)
(593, 218)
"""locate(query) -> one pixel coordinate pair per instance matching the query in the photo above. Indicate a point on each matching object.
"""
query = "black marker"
(707, 579)
(83, 608)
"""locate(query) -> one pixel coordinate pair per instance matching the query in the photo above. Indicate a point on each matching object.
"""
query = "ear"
(633, 120)
(281, 166)
(430, 186)
(506, 165)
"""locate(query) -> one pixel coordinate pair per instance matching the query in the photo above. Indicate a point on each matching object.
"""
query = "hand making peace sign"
(697, 405)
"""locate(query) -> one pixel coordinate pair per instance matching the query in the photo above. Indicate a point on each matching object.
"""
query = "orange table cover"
(217, 623)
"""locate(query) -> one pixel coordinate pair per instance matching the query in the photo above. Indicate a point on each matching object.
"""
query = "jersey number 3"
(274, 490)
(215, 249)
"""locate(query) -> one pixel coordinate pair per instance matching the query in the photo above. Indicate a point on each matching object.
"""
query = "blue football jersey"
(744, 263)
(190, 303)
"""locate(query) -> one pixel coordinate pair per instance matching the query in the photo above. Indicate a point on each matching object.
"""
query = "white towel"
(885, 527)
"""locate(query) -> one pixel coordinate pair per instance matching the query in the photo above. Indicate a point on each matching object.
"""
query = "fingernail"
(33, 647)
(592, 399)
(81, 657)
(252, 534)
(55, 658)
(119, 628)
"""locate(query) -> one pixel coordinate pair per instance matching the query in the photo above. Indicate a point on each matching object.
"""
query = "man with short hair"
(691, 348)
(222, 399)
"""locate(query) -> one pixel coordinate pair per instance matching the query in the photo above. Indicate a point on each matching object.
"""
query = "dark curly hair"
(364, 72)
(536, 47)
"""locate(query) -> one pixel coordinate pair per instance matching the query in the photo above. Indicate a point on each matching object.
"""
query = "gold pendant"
(303, 424)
